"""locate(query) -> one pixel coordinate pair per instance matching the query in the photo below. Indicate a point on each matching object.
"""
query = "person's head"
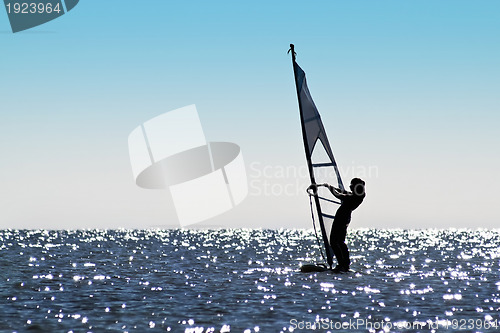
(357, 186)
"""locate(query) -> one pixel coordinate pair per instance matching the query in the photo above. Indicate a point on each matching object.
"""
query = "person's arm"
(338, 193)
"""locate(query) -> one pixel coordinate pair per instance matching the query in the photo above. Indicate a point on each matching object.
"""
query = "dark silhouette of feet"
(340, 269)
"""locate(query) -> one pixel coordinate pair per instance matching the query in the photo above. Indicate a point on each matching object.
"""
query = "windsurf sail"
(315, 140)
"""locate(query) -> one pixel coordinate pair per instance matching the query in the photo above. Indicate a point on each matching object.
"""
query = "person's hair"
(358, 186)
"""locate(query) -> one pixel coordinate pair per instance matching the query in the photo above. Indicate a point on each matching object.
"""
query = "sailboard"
(320, 163)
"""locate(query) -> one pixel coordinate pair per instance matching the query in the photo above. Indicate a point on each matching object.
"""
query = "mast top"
(292, 49)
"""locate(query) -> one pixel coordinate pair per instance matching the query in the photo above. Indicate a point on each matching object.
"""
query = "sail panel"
(314, 129)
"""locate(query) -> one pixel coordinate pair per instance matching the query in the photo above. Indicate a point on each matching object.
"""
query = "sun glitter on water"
(244, 280)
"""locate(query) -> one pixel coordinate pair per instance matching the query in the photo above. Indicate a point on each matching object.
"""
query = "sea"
(247, 280)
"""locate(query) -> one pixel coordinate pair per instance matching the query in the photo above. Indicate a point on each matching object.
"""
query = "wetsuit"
(339, 227)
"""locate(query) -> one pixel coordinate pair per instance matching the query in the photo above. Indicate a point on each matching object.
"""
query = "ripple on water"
(242, 280)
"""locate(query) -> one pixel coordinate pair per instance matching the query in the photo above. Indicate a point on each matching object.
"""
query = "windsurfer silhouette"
(350, 201)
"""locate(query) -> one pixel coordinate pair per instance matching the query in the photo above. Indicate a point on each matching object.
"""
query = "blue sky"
(409, 88)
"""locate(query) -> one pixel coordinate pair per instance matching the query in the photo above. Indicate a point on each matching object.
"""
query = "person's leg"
(346, 262)
(337, 251)
(337, 242)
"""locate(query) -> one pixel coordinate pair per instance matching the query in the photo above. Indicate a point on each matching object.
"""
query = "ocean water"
(245, 280)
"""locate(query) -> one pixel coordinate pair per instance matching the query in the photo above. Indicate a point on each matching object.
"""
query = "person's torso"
(349, 204)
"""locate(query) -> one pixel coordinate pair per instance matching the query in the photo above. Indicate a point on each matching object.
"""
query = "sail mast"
(328, 249)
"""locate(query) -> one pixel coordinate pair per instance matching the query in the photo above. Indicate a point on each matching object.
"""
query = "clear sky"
(408, 92)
